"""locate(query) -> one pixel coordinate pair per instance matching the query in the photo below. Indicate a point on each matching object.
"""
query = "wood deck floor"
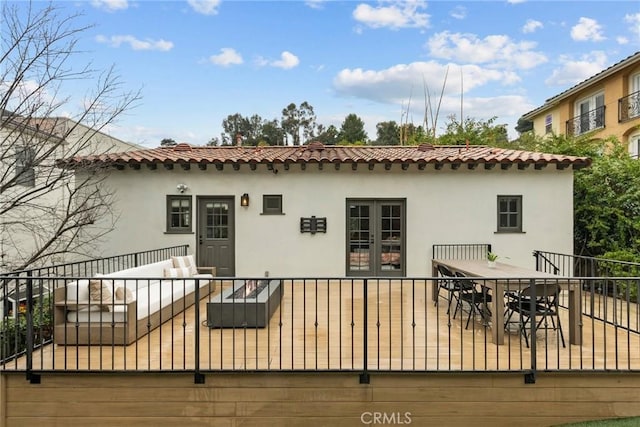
(320, 326)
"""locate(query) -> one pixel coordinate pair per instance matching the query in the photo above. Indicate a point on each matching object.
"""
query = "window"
(178, 214)
(634, 146)
(590, 113)
(509, 214)
(548, 123)
(272, 204)
(25, 172)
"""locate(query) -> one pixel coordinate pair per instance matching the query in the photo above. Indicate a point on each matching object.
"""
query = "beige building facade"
(606, 104)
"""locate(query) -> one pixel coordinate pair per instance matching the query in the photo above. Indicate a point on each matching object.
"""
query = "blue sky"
(198, 61)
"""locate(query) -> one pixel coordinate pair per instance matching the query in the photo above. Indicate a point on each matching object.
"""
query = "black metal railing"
(594, 119)
(629, 107)
(15, 289)
(359, 325)
(620, 295)
(461, 251)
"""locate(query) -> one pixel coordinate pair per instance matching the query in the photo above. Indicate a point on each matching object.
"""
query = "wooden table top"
(480, 268)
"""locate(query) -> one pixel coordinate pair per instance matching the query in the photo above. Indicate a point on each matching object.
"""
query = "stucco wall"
(445, 206)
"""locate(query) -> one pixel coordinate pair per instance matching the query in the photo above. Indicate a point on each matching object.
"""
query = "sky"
(198, 61)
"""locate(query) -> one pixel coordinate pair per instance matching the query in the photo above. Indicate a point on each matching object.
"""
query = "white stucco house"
(334, 211)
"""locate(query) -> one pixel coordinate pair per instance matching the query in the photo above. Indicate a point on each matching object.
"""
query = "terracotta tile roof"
(439, 155)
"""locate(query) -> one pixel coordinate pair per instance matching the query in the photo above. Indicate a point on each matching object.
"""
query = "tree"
(476, 132)
(388, 133)
(352, 130)
(328, 136)
(299, 122)
(272, 133)
(168, 142)
(46, 210)
(234, 126)
(607, 204)
(524, 125)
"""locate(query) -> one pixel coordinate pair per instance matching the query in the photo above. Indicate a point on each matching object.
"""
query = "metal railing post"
(530, 377)
(364, 376)
(198, 376)
(33, 378)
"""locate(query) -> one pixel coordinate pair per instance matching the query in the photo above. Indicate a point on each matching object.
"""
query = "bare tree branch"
(46, 210)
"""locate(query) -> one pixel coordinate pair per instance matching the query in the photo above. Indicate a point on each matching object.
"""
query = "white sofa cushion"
(185, 262)
(179, 272)
(77, 291)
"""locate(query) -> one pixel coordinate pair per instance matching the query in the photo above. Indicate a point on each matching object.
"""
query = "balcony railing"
(591, 120)
(605, 299)
(629, 107)
(359, 325)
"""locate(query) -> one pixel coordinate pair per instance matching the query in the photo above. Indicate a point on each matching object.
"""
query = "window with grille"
(509, 214)
(179, 214)
(272, 204)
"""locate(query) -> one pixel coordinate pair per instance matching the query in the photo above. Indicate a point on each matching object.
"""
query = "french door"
(376, 237)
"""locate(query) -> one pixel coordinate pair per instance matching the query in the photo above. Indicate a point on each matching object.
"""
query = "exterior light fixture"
(244, 200)
(181, 188)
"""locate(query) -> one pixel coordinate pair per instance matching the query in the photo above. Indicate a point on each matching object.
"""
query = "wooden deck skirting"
(305, 399)
(320, 327)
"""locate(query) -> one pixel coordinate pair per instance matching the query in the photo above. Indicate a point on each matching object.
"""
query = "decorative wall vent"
(313, 225)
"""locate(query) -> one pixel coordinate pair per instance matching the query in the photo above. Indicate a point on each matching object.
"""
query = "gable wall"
(443, 206)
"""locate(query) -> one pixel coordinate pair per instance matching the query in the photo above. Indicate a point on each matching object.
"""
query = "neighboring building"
(606, 104)
(30, 148)
(338, 210)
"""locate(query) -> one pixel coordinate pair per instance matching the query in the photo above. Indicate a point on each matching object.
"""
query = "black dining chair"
(545, 307)
(477, 296)
(452, 286)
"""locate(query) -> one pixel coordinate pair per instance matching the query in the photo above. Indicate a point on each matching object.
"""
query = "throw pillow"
(123, 293)
(177, 272)
(185, 261)
(101, 290)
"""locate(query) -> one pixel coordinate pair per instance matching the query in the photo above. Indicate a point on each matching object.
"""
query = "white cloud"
(622, 40)
(394, 15)
(515, 1)
(136, 44)
(315, 4)
(497, 50)
(205, 7)
(227, 57)
(634, 23)
(396, 84)
(110, 5)
(287, 61)
(573, 71)
(587, 29)
(531, 26)
(459, 12)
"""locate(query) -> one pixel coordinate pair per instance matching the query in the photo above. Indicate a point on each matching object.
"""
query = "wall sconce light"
(181, 188)
(244, 200)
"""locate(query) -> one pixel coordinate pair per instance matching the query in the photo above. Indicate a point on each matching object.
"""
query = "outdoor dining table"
(504, 277)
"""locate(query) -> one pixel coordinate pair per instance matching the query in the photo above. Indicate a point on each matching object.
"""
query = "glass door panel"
(375, 237)
(359, 234)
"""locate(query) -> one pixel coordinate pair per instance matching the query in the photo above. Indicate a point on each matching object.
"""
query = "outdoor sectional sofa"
(119, 308)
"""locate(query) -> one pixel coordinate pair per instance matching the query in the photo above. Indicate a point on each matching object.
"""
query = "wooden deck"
(320, 326)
